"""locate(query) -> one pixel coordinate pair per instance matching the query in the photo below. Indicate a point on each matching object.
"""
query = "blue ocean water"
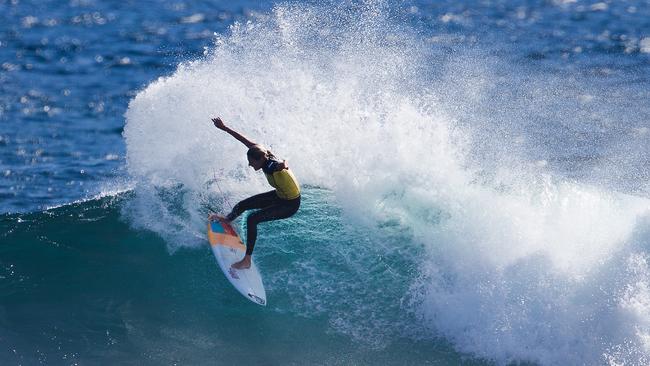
(475, 181)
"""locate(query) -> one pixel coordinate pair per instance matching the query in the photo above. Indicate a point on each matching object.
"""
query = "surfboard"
(228, 248)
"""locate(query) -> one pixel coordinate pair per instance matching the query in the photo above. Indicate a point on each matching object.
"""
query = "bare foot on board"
(215, 217)
(243, 264)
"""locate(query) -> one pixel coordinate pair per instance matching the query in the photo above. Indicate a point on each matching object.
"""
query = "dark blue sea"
(475, 181)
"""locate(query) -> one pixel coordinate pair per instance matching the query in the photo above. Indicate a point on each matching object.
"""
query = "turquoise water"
(475, 181)
(80, 286)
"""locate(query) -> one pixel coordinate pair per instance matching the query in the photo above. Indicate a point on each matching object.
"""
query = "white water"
(520, 264)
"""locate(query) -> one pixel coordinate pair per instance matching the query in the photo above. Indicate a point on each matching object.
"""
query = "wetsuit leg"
(280, 210)
(258, 201)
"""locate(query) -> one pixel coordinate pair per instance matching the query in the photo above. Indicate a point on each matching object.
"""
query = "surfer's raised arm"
(218, 123)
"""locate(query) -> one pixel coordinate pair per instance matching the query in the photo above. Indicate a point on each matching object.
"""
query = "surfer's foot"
(243, 264)
(214, 217)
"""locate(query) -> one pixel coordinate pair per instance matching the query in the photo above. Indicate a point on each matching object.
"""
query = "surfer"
(280, 203)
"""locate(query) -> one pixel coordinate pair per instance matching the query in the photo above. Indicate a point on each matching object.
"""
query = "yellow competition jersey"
(285, 183)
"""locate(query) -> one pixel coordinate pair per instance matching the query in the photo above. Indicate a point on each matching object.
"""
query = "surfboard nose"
(257, 299)
(228, 248)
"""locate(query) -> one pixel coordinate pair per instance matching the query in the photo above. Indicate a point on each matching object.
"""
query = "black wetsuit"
(270, 205)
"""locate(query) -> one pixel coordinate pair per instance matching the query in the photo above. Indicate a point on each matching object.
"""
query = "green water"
(80, 286)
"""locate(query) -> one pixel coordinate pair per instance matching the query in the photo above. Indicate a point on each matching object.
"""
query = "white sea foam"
(520, 264)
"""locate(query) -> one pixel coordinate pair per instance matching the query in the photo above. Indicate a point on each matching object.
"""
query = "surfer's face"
(256, 164)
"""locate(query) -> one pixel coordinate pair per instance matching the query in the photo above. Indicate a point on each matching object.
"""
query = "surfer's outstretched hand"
(218, 123)
(283, 165)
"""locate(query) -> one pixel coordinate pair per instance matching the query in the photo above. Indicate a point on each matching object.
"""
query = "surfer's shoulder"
(272, 164)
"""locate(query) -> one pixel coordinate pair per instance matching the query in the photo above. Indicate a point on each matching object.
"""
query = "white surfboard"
(228, 249)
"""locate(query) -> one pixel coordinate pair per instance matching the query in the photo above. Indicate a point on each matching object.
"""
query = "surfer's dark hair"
(257, 152)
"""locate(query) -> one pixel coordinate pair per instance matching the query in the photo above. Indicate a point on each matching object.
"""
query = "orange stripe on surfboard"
(227, 239)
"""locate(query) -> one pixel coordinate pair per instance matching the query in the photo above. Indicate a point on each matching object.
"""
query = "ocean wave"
(428, 158)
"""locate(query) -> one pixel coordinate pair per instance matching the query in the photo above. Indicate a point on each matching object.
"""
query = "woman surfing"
(280, 203)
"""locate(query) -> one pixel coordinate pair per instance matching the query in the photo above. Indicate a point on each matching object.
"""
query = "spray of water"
(514, 262)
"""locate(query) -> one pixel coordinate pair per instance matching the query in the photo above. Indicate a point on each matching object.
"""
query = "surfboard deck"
(228, 248)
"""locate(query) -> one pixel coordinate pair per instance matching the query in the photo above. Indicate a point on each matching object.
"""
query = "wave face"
(426, 216)
(80, 285)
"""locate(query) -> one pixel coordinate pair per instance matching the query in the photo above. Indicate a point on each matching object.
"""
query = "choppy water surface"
(475, 181)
